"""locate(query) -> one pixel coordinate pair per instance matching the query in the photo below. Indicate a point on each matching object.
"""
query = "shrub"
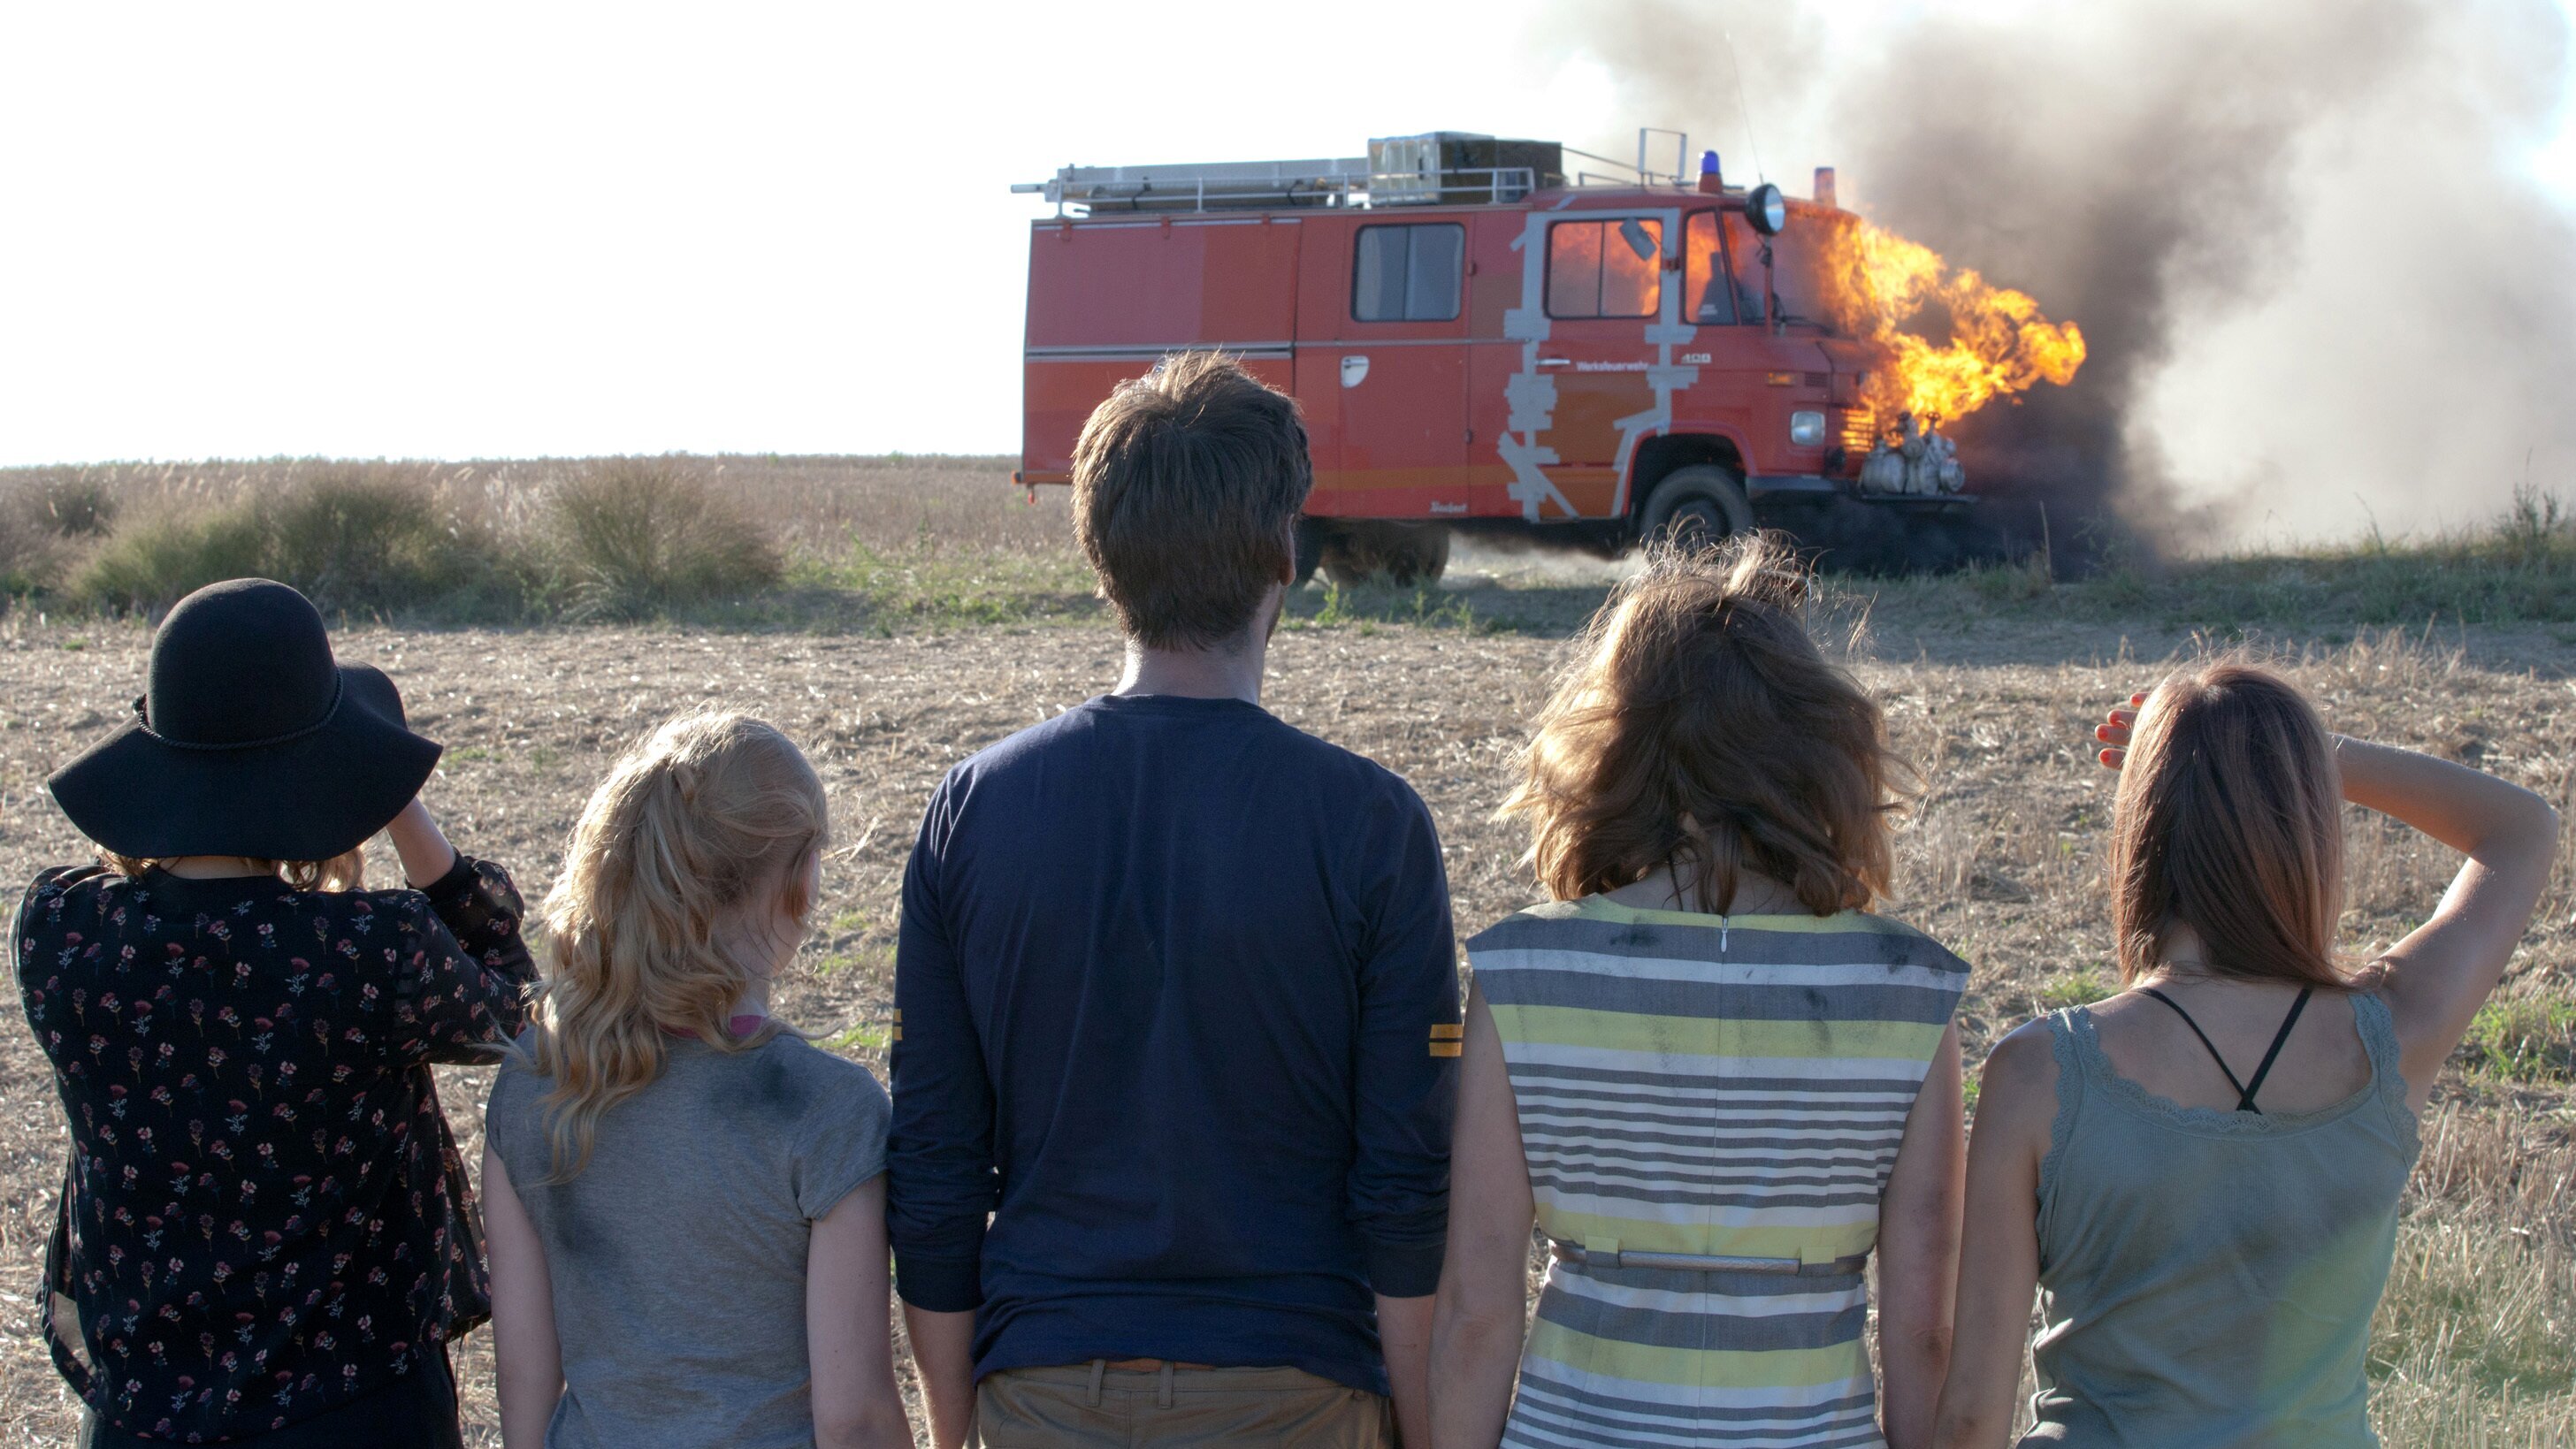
(152, 562)
(352, 540)
(68, 504)
(364, 541)
(630, 537)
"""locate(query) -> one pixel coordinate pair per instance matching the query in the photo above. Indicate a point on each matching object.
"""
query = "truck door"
(1589, 365)
(1605, 299)
(1399, 372)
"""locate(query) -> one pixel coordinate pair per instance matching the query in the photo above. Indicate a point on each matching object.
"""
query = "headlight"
(1807, 429)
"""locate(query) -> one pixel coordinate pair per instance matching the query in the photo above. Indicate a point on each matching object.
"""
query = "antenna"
(1736, 63)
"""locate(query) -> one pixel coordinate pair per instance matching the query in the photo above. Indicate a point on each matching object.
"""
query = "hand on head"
(2114, 732)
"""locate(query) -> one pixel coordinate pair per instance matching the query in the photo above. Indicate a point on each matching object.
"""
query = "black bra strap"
(2244, 1090)
(2279, 1039)
(2243, 1098)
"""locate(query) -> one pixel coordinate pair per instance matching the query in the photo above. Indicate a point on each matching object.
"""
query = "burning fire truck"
(1479, 338)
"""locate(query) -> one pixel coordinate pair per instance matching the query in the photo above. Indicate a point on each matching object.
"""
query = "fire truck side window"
(1408, 273)
(1605, 268)
(1707, 297)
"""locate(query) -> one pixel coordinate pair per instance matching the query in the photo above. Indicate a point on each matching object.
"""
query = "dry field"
(2001, 860)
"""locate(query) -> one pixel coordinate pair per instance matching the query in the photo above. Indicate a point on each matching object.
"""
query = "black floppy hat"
(249, 740)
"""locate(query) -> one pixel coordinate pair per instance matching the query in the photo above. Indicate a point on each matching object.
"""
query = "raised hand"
(2114, 733)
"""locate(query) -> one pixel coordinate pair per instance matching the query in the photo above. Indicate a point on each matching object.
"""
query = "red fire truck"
(1478, 338)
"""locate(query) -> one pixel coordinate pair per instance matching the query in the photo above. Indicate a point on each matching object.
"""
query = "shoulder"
(54, 892)
(1552, 924)
(1895, 943)
(2019, 1080)
(61, 881)
(517, 1084)
(822, 1084)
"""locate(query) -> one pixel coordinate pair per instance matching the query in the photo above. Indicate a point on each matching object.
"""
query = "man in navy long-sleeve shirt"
(1176, 1005)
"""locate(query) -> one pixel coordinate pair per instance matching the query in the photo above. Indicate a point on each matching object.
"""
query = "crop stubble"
(2001, 860)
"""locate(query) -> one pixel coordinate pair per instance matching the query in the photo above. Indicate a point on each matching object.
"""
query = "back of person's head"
(2229, 821)
(713, 814)
(1186, 488)
(1700, 727)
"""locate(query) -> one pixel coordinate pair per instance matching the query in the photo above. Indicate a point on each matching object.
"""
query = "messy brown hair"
(344, 872)
(1701, 728)
(1186, 485)
(2229, 820)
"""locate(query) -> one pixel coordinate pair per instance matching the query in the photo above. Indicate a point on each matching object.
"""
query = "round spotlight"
(1767, 209)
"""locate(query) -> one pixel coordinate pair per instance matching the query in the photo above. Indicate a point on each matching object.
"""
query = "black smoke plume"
(2322, 285)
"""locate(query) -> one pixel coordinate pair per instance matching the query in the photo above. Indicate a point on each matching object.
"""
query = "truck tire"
(1404, 554)
(1310, 550)
(1694, 507)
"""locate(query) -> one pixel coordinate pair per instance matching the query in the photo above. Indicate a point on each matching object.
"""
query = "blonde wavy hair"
(1701, 728)
(709, 812)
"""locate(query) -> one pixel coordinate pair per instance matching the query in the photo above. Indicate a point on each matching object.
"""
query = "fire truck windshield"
(1725, 286)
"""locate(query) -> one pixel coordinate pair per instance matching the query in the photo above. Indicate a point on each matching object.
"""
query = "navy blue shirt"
(1175, 1005)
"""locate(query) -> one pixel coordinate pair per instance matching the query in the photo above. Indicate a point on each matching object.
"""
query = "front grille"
(1860, 430)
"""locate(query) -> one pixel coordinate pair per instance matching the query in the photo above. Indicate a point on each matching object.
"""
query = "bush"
(67, 504)
(630, 537)
(352, 541)
(365, 542)
(153, 562)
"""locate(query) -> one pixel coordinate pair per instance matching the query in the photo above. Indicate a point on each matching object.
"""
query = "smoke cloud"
(2322, 284)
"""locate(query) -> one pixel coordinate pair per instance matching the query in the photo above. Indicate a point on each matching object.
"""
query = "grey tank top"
(2210, 1275)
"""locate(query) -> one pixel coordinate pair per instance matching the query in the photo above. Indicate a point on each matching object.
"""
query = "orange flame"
(1876, 282)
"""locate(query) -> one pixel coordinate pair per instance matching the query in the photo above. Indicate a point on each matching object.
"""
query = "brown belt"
(1150, 1365)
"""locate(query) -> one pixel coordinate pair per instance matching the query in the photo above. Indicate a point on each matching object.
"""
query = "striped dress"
(1709, 1086)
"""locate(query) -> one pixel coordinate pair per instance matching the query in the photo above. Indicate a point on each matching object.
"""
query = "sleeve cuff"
(939, 1285)
(460, 877)
(1410, 1271)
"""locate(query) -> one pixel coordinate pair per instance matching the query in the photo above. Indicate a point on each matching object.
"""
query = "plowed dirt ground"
(2001, 860)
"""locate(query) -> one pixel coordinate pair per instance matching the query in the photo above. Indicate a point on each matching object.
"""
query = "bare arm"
(1404, 1336)
(529, 1359)
(1476, 1332)
(2443, 971)
(425, 853)
(1999, 1259)
(1918, 1252)
(849, 1339)
(943, 1352)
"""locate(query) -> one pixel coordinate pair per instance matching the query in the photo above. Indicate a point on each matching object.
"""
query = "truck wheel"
(1404, 553)
(1694, 507)
(1424, 556)
(1310, 550)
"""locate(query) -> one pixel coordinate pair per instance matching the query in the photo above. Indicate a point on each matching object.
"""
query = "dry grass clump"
(628, 538)
(357, 540)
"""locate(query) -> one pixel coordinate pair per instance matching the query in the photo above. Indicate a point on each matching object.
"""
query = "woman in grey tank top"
(2203, 1171)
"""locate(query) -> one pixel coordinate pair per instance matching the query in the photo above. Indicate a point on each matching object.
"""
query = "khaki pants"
(1093, 1406)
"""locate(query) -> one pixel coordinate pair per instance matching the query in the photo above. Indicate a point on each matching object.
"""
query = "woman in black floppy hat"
(265, 1231)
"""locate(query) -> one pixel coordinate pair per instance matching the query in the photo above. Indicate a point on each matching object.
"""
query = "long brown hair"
(710, 809)
(2229, 820)
(1701, 728)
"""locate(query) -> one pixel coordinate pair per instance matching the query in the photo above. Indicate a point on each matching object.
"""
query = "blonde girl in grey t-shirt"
(685, 1201)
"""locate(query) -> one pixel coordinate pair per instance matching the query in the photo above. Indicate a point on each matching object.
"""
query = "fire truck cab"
(1476, 338)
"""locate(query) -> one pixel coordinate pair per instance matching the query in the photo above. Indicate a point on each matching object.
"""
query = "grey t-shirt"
(677, 1256)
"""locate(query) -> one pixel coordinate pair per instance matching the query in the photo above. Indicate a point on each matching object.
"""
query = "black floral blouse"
(264, 1216)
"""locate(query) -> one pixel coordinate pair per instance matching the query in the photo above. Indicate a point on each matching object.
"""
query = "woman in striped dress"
(1713, 1080)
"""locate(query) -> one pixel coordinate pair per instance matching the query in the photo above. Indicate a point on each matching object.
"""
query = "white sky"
(527, 229)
